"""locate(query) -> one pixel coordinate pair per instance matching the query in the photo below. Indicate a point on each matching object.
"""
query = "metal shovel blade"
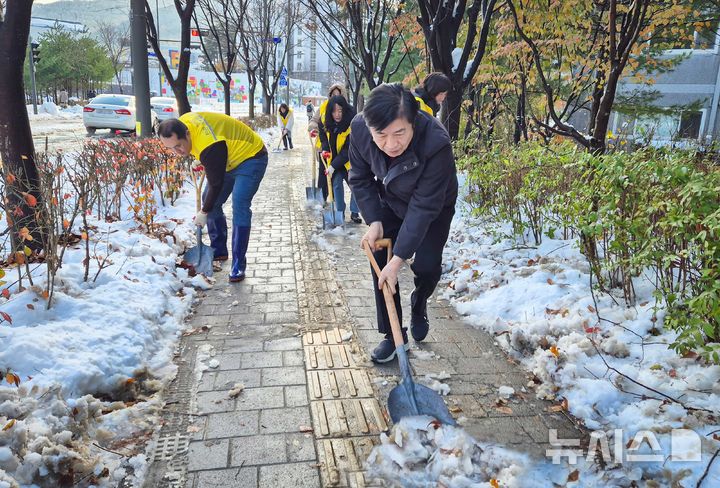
(410, 398)
(332, 218)
(313, 194)
(200, 256)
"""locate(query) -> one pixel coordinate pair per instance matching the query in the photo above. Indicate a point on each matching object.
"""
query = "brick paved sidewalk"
(296, 334)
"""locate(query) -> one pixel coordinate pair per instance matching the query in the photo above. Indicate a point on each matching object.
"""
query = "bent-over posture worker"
(403, 177)
(235, 160)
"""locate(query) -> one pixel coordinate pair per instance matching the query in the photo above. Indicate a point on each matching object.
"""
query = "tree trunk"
(226, 91)
(180, 91)
(451, 113)
(17, 151)
(251, 91)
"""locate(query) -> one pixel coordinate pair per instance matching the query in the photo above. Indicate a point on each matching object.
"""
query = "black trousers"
(321, 178)
(287, 140)
(427, 266)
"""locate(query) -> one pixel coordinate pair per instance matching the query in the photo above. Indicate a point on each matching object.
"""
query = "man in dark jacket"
(404, 180)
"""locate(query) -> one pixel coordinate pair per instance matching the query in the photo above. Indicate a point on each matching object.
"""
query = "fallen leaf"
(30, 306)
(5, 316)
(456, 409)
(505, 410)
(672, 373)
(30, 199)
(6, 294)
(591, 309)
(193, 428)
(494, 483)
(24, 234)
(554, 351)
(83, 236)
(12, 378)
(550, 281)
(129, 381)
(9, 425)
(306, 428)
(574, 476)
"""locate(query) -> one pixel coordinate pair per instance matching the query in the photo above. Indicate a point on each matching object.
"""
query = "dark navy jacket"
(419, 184)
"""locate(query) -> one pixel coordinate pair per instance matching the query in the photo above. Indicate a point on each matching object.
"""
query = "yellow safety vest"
(424, 106)
(287, 116)
(323, 107)
(339, 143)
(207, 128)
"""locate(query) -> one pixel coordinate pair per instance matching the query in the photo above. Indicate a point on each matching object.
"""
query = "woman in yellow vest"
(432, 92)
(316, 121)
(286, 119)
(235, 159)
(335, 138)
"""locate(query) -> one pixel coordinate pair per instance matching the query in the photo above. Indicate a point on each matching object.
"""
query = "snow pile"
(607, 364)
(420, 452)
(50, 111)
(88, 366)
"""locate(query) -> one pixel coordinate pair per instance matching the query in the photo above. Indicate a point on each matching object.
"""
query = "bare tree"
(17, 152)
(221, 20)
(364, 32)
(455, 46)
(116, 41)
(269, 25)
(185, 9)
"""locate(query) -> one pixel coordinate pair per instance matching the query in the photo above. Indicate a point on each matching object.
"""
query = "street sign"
(282, 81)
(283, 73)
(151, 54)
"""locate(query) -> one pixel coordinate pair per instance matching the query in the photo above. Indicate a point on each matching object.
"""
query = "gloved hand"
(313, 133)
(329, 171)
(326, 155)
(199, 168)
(201, 219)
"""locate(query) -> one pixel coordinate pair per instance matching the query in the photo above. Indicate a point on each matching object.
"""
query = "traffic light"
(35, 49)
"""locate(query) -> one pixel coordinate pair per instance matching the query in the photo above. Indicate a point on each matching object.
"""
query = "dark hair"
(436, 83)
(172, 126)
(388, 102)
(284, 106)
(347, 114)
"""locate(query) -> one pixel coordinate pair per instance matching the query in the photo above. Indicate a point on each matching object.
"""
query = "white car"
(115, 112)
(165, 108)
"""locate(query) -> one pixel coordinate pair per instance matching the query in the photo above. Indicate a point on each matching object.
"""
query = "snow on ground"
(106, 338)
(89, 365)
(50, 111)
(537, 300)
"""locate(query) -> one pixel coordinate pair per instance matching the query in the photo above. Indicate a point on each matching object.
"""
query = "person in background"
(63, 98)
(310, 108)
(314, 125)
(286, 118)
(334, 140)
(403, 177)
(235, 159)
(432, 92)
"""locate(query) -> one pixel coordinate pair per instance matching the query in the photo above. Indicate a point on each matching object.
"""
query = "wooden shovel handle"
(387, 292)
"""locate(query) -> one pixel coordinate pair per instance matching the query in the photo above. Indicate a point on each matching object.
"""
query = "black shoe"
(355, 217)
(419, 324)
(386, 350)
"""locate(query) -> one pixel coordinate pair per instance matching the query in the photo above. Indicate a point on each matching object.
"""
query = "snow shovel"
(408, 398)
(331, 217)
(277, 148)
(313, 193)
(200, 256)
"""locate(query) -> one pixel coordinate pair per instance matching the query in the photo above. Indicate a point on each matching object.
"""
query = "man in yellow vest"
(235, 159)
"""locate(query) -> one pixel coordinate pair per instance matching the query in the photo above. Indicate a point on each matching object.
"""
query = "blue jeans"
(243, 182)
(339, 192)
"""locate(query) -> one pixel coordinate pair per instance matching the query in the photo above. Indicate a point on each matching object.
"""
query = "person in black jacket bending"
(404, 180)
